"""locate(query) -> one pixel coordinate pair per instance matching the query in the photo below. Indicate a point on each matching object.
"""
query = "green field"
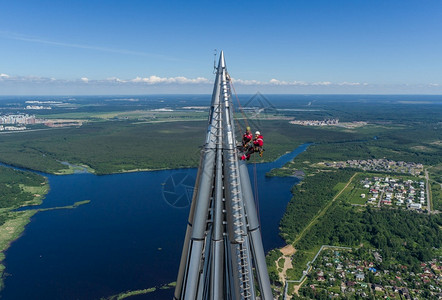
(354, 196)
(136, 115)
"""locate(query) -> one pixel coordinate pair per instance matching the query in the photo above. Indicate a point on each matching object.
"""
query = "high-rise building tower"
(223, 256)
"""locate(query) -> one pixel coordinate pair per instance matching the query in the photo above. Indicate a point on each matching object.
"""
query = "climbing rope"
(255, 183)
(240, 108)
(255, 175)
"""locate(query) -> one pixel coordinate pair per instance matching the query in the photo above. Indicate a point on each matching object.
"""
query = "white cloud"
(180, 80)
(115, 79)
(169, 80)
(349, 83)
(247, 82)
(322, 83)
(287, 83)
(181, 84)
(276, 81)
(31, 79)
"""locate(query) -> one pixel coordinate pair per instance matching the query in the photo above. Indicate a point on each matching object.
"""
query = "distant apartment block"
(37, 107)
(18, 119)
(18, 122)
(12, 128)
(315, 122)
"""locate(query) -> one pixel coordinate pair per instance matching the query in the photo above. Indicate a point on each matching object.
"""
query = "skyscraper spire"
(223, 256)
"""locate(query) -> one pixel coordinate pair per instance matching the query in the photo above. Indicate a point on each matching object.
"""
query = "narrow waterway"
(128, 237)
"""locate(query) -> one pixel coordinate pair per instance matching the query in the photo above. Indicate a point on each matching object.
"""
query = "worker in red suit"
(247, 138)
(258, 142)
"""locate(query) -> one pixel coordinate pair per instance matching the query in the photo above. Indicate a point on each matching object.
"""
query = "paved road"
(380, 197)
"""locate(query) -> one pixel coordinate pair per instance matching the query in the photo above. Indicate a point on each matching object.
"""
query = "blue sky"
(143, 47)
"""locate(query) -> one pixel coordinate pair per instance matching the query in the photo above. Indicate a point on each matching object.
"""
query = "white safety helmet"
(258, 133)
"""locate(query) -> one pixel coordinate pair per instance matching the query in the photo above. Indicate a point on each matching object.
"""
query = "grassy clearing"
(143, 115)
(352, 194)
(355, 196)
(74, 169)
(13, 227)
(299, 261)
(339, 186)
(436, 195)
(435, 175)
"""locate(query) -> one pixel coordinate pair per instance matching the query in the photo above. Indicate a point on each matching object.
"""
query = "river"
(128, 237)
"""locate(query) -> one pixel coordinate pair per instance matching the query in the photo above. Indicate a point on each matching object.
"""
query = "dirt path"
(287, 253)
(288, 250)
(297, 287)
(427, 179)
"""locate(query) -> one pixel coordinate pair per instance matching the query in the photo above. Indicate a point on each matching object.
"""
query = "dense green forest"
(309, 198)
(405, 236)
(415, 144)
(12, 193)
(109, 147)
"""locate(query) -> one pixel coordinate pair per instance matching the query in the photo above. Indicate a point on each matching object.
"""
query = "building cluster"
(380, 165)
(315, 122)
(388, 191)
(18, 122)
(21, 119)
(42, 102)
(345, 274)
(35, 104)
(12, 128)
(37, 107)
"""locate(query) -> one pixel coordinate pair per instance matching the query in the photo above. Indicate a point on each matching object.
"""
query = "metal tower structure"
(223, 256)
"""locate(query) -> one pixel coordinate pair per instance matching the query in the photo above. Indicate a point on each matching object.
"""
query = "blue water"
(128, 237)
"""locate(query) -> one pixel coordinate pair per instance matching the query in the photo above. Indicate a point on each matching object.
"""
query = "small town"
(353, 274)
(391, 191)
(379, 165)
